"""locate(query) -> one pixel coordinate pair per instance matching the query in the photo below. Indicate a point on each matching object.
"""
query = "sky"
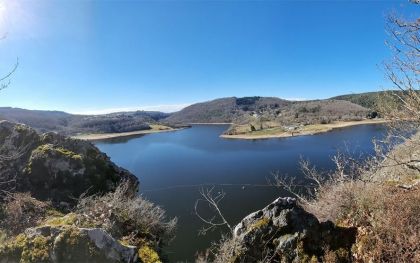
(104, 56)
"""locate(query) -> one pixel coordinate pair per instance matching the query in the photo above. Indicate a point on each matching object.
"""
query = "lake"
(172, 167)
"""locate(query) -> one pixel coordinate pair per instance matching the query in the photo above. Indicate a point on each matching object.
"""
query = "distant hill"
(225, 110)
(70, 124)
(253, 112)
(267, 109)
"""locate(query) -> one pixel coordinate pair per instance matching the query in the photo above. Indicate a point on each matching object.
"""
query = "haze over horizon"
(99, 57)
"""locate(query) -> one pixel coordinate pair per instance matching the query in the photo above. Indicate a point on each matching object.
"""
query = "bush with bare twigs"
(130, 218)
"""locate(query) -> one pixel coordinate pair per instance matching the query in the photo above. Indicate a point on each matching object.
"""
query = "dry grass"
(20, 211)
(387, 218)
(393, 233)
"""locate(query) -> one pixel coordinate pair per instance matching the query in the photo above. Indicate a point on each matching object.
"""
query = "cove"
(172, 167)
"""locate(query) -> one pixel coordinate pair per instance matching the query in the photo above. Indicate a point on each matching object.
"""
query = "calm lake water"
(173, 166)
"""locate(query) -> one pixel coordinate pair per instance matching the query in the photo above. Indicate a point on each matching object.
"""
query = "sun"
(16, 17)
(2, 9)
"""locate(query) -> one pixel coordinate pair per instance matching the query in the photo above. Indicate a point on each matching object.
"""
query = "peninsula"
(279, 132)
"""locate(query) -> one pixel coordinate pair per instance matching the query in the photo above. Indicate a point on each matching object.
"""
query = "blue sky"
(100, 56)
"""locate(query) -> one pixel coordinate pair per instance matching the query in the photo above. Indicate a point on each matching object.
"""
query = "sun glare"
(3, 17)
(2, 13)
(17, 18)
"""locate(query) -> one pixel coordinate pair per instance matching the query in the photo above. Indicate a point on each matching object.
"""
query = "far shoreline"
(248, 136)
(323, 129)
(211, 123)
(105, 136)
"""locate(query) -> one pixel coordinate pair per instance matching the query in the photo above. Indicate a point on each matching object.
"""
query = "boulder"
(57, 244)
(284, 232)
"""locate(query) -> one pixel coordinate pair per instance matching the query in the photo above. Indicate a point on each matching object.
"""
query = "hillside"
(247, 109)
(373, 100)
(70, 124)
(268, 116)
(226, 110)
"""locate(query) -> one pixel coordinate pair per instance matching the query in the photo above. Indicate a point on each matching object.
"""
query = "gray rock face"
(71, 244)
(111, 248)
(284, 232)
(54, 167)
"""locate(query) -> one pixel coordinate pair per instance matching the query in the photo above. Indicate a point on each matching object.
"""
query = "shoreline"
(211, 123)
(104, 136)
(316, 129)
(311, 130)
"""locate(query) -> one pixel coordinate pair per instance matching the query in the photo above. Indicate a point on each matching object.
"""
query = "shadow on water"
(173, 166)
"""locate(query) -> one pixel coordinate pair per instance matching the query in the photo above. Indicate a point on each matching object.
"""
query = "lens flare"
(17, 18)
(2, 15)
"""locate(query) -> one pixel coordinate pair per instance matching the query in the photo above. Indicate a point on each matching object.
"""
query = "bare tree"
(8, 182)
(403, 70)
(402, 105)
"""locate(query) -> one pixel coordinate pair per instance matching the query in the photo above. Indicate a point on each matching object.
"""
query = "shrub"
(325, 120)
(130, 218)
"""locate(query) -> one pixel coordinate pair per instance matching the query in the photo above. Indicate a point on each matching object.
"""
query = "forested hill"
(266, 109)
(69, 124)
(372, 100)
(225, 110)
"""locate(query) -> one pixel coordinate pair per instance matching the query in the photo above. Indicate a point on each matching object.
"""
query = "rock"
(66, 244)
(284, 232)
(54, 167)
(112, 248)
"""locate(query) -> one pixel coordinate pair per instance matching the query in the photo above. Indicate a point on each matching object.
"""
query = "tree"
(7, 182)
(403, 69)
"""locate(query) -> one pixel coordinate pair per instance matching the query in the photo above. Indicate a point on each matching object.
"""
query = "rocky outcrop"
(54, 167)
(284, 232)
(66, 244)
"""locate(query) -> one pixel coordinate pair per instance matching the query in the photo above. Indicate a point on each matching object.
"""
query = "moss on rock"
(67, 220)
(260, 223)
(148, 255)
(26, 250)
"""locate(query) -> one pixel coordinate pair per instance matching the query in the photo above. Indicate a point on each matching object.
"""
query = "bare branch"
(212, 199)
(5, 80)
